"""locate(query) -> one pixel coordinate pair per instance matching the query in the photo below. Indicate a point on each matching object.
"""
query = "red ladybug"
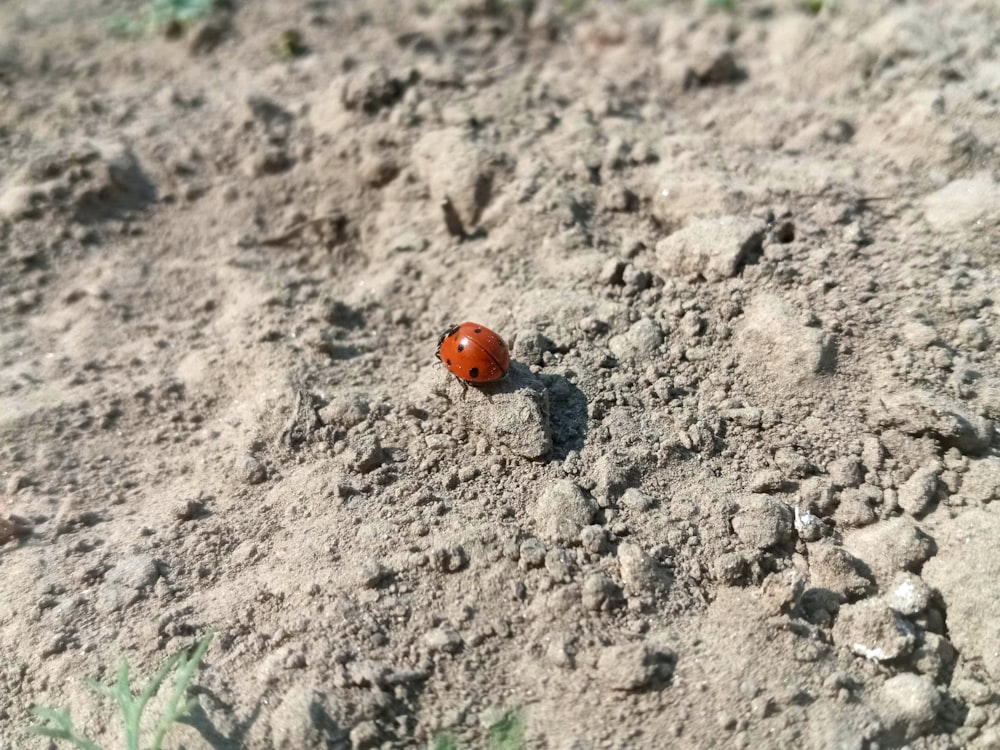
(474, 353)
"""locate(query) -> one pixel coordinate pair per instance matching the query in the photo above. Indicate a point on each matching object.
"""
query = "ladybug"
(474, 353)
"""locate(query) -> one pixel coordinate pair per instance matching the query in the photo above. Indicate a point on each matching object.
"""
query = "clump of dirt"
(739, 488)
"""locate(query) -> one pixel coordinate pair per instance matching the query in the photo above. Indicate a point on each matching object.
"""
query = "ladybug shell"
(474, 353)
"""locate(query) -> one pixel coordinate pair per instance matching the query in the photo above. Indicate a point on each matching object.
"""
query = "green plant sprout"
(59, 726)
(168, 16)
(163, 13)
(506, 733)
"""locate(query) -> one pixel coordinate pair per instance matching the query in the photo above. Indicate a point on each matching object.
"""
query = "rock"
(917, 493)
(444, 639)
(302, 421)
(981, 482)
(835, 569)
(374, 574)
(126, 583)
(919, 412)
(530, 345)
(365, 735)
(641, 574)
(302, 721)
(846, 471)
(636, 500)
(599, 592)
(531, 553)
(371, 88)
(972, 333)
(780, 592)
(513, 411)
(559, 652)
(593, 539)
(762, 522)
(732, 568)
(766, 480)
(558, 565)
(856, 507)
(612, 474)
(809, 527)
(345, 411)
(772, 339)
(793, 464)
(562, 511)
(250, 470)
(364, 453)
(966, 570)
(17, 202)
(872, 630)
(890, 546)
(908, 705)
(458, 169)
(711, 67)
(377, 170)
(714, 249)
(909, 594)
(919, 335)
(633, 667)
(641, 341)
(934, 656)
(964, 204)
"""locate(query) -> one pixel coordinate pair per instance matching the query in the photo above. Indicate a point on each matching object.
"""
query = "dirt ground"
(741, 487)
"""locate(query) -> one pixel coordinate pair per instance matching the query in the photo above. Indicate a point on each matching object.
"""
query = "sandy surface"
(741, 487)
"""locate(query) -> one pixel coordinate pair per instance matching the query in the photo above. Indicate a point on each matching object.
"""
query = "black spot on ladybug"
(474, 372)
(448, 362)
(479, 330)
(461, 347)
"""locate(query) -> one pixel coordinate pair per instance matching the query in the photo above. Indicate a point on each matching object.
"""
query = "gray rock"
(529, 345)
(972, 333)
(846, 471)
(250, 469)
(774, 340)
(762, 522)
(917, 493)
(345, 411)
(918, 412)
(981, 482)
(909, 594)
(965, 204)
(640, 573)
(126, 583)
(531, 553)
(513, 411)
(711, 248)
(562, 511)
(641, 340)
(302, 720)
(872, 630)
(908, 705)
(633, 667)
(636, 500)
(364, 453)
(456, 168)
(599, 592)
(966, 570)
(17, 202)
(890, 546)
(444, 639)
(857, 507)
(835, 569)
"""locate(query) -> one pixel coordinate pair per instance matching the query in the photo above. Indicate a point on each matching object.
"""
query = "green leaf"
(508, 732)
